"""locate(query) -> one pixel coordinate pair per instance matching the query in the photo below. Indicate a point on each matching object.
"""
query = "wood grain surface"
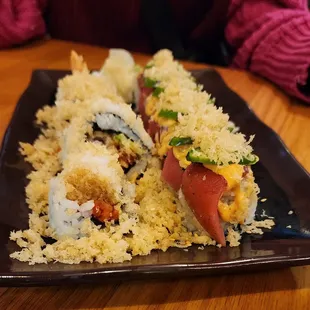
(279, 289)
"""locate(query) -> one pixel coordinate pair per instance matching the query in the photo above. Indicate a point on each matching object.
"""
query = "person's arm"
(20, 21)
(272, 39)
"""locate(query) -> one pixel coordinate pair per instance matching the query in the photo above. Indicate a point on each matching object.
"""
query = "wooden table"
(282, 289)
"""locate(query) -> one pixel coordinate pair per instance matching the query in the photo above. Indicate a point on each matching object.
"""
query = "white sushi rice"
(66, 216)
(111, 122)
(123, 111)
(121, 69)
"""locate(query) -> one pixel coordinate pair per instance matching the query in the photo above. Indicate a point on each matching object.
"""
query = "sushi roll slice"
(91, 190)
(207, 162)
(116, 81)
(82, 86)
(76, 90)
(121, 69)
(160, 84)
(117, 127)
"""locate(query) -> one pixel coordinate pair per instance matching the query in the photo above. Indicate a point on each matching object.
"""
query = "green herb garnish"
(178, 141)
(168, 114)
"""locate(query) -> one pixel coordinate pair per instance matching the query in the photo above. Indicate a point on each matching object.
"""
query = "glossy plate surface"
(284, 183)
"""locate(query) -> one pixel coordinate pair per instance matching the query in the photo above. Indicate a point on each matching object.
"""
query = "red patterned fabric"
(269, 37)
(20, 20)
(272, 39)
(119, 23)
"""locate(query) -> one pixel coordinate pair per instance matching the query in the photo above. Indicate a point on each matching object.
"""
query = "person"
(267, 37)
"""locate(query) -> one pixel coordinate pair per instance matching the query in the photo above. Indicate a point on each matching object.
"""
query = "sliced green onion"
(149, 82)
(168, 114)
(157, 91)
(178, 141)
(152, 84)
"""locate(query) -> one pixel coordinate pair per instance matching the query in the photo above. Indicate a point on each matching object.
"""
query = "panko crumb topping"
(153, 219)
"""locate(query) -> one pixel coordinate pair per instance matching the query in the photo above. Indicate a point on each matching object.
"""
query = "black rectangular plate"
(284, 183)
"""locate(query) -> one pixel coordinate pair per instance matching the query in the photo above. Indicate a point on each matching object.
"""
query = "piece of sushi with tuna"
(207, 161)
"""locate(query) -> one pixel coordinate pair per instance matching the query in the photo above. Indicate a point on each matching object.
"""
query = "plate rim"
(19, 278)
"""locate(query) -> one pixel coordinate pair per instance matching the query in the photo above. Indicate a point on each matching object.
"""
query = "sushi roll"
(76, 90)
(121, 69)
(81, 85)
(90, 190)
(160, 84)
(117, 127)
(207, 161)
